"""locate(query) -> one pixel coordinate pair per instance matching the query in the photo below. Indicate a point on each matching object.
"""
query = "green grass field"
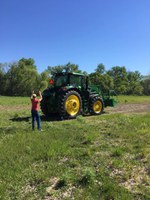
(104, 157)
(133, 99)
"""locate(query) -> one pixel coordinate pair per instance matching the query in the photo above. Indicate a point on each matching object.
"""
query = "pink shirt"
(35, 103)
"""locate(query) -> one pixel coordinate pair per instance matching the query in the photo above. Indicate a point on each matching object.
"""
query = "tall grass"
(94, 157)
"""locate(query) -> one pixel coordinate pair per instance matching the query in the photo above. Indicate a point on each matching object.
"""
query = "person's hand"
(39, 93)
(32, 94)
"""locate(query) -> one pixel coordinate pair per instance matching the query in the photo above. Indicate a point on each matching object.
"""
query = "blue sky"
(83, 32)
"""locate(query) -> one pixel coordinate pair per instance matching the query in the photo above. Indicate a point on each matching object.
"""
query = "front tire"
(96, 106)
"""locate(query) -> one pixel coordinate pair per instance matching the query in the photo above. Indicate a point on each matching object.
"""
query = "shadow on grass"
(50, 118)
(43, 118)
(20, 119)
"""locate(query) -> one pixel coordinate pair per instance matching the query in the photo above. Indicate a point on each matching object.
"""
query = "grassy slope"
(96, 157)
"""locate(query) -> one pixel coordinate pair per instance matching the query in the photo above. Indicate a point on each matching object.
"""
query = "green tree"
(44, 80)
(101, 78)
(22, 77)
(69, 67)
(134, 83)
(100, 68)
(2, 74)
(29, 63)
(146, 85)
(56, 69)
(119, 76)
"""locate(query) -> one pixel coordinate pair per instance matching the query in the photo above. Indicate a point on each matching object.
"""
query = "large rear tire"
(44, 108)
(70, 105)
(96, 105)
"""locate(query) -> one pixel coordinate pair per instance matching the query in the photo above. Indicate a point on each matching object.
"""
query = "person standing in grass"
(34, 110)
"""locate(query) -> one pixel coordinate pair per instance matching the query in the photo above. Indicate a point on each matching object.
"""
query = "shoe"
(40, 129)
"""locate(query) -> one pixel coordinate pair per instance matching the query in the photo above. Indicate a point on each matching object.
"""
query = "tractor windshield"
(75, 80)
(60, 80)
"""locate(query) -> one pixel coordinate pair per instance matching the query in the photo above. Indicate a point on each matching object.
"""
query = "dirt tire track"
(6, 108)
(129, 108)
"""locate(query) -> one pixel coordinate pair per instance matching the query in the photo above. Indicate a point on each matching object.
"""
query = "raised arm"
(40, 99)
(32, 94)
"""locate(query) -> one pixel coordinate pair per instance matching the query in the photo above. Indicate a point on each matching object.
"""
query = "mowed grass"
(93, 158)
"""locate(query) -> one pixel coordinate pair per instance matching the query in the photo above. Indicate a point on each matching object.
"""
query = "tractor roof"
(69, 73)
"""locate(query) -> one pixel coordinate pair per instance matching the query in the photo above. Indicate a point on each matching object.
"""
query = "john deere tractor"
(70, 95)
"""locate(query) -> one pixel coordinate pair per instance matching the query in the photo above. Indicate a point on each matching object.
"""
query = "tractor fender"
(94, 95)
(73, 89)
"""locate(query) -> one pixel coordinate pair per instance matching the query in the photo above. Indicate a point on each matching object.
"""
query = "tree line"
(21, 77)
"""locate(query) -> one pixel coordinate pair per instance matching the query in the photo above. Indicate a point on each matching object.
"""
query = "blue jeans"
(36, 117)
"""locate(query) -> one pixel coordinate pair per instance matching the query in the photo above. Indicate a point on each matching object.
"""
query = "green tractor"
(70, 95)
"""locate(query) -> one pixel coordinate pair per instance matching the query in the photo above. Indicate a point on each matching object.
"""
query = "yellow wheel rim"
(97, 106)
(72, 105)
